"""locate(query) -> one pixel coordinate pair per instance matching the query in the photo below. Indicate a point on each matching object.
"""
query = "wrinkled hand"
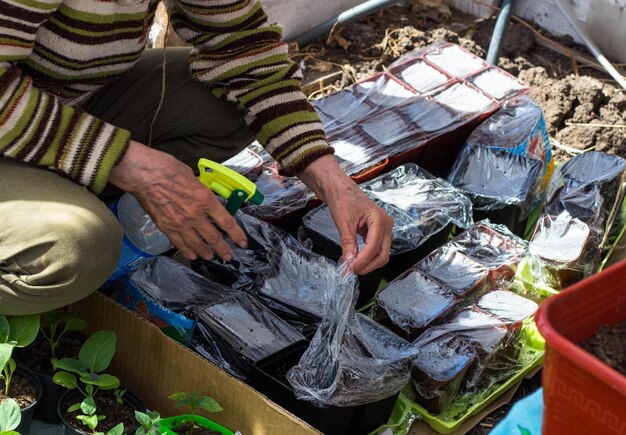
(177, 202)
(354, 213)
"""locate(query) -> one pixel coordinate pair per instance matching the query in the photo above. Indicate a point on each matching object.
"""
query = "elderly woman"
(84, 112)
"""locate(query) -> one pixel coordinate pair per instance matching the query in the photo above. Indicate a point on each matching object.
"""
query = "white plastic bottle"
(142, 239)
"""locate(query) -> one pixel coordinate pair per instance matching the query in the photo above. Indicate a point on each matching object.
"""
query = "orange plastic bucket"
(582, 395)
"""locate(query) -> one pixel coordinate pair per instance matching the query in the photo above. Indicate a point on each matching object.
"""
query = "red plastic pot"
(581, 393)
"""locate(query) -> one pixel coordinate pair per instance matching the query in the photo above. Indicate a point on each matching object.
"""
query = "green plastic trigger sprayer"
(228, 184)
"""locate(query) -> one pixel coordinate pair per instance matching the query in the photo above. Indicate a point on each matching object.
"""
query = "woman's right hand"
(177, 202)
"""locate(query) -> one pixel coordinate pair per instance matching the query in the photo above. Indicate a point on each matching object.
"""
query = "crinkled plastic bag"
(175, 286)
(583, 199)
(275, 267)
(351, 360)
(421, 205)
(506, 159)
(238, 331)
(469, 352)
(493, 246)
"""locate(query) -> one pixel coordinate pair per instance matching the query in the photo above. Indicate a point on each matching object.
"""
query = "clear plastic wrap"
(583, 199)
(505, 161)
(456, 271)
(238, 331)
(476, 348)
(287, 277)
(351, 360)
(175, 286)
(416, 111)
(163, 291)
(493, 246)
(413, 302)
(420, 204)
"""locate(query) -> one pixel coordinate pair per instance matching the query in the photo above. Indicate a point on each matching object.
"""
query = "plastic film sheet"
(583, 198)
(351, 360)
(493, 246)
(422, 97)
(421, 205)
(240, 331)
(505, 160)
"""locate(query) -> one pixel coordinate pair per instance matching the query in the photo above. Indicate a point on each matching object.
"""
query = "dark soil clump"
(37, 356)
(114, 414)
(609, 345)
(585, 112)
(22, 390)
(187, 428)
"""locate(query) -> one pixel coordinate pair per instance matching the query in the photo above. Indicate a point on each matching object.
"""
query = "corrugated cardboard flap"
(154, 366)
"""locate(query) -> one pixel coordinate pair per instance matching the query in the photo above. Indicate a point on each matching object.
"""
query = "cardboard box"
(154, 366)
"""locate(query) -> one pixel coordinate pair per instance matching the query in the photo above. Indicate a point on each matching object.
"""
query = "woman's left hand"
(354, 213)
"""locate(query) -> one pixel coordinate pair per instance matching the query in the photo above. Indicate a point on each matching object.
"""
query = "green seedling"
(85, 375)
(194, 401)
(149, 423)
(58, 324)
(16, 331)
(119, 395)
(10, 417)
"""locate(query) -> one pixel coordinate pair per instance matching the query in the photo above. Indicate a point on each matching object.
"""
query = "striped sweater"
(55, 53)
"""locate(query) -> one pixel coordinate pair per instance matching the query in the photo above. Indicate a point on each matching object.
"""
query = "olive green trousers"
(58, 241)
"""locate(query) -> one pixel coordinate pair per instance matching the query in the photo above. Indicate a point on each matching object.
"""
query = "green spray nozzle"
(228, 184)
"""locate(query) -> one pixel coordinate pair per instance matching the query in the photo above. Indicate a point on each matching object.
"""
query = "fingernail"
(243, 244)
(227, 258)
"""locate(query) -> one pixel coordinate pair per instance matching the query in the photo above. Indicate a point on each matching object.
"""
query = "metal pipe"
(369, 7)
(593, 48)
(499, 31)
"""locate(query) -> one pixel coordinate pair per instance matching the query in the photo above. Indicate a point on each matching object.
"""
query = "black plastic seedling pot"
(271, 380)
(71, 397)
(28, 412)
(46, 409)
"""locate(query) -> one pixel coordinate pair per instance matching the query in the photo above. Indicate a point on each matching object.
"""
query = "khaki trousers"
(58, 241)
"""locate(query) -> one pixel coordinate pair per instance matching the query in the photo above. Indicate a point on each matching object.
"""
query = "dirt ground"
(585, 112)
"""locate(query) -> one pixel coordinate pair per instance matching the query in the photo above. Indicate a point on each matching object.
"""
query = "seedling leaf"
(65, 379)
(180, 399)
(70, 365)
(104, 381)
(98, 351)
(74, 407)
(10, 415)
(23, 329)
(143, 419)
(117, 430)
(4, 329)
(75, 325)
(88, 406)
(6, 349)
(209, 404)
(91, 421)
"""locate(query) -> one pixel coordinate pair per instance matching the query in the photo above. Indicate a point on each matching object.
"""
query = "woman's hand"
(177, 202)
(354, 213)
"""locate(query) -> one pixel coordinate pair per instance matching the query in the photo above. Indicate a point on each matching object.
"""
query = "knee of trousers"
(70, 254)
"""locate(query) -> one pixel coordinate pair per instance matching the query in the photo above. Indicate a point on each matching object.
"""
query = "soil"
(188, 429)
(37, 356)
(114, 413)
(22, 390)
(609, 345)
(592, 98)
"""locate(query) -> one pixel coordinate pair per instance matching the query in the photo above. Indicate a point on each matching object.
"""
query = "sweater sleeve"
(245, 62)
(35, 127)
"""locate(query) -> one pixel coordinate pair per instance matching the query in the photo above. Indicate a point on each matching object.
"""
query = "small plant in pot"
(95, 401)
(18, 383)
(57, 338)
(192, 423)
(10, 417)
